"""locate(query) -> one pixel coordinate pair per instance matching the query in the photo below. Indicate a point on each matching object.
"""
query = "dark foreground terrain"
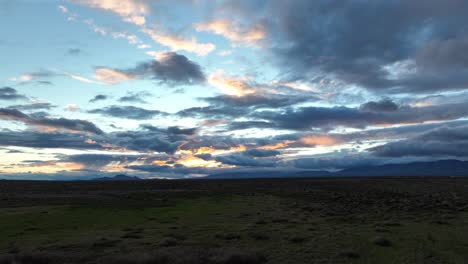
(358, 220)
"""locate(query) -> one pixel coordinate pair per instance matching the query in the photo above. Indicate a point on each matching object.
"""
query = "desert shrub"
(168, 242)
(381, 241)
(31, 258)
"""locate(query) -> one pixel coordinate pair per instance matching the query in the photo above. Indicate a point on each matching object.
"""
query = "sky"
(190, 88)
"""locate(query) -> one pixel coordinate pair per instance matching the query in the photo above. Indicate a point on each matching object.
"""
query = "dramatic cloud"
(439, 142)
(244, 160)
(275, 86)
(362, 43)
(257, 100)
(99, 161)
(74, 125)
(129, 112)
(33, 139)
(227, 106)
(326, 118)
(169, 67)
(8, 93)
(147, 141)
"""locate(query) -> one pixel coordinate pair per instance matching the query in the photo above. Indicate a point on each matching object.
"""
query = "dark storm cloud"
(385, 105)
(261, 153)
(129, 112)
(173, 130)
(45, 140)
(444, 141)
(324, 118)
(244, 160)
(134, 97)
(181, 131)
(214, 111)
(257, 101)
(10, 94)
(99, 97)
(171, 68)
(144, 140)
(163, 140)
(225, 106)
(97, 161)
(353, 41)
(55, 123)
(240, 125)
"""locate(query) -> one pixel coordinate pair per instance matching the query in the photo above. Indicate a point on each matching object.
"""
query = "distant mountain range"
(120, 177)
(432, 168)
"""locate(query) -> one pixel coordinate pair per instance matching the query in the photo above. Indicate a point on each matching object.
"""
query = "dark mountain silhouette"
(120, 177)
(430, 168)
(268, 174)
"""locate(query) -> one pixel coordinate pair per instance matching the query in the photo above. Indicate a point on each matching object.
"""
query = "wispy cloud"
(250, 35)
(178, 42)
(133, 11)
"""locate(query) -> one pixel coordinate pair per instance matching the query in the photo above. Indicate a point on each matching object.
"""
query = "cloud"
(261, 153)
(99, 97)
(230, 85)
(100, 161)
(33, 139)
(134, 97)
(244, 160)
(169, 68)
(34, 75)
(238, 34)
(385, 105)
(181, 131)
(332, 117)
(439, 142)
(223, 53)
(133, 11)
(111, 76)
(33, 106)
(129, 112)
(74, 51)
(146, 139)
(104, 31)
(74, 125)
(41, 75)
(361, 43)
(177, 42)
(257, 101)
(231, 106)
(8, 94)
(212, 112)
(72, 108)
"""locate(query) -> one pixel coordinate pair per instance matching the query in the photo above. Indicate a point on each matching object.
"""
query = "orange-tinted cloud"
(236, 33)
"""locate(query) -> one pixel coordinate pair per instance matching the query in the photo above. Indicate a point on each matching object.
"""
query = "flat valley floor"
(352, 220)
